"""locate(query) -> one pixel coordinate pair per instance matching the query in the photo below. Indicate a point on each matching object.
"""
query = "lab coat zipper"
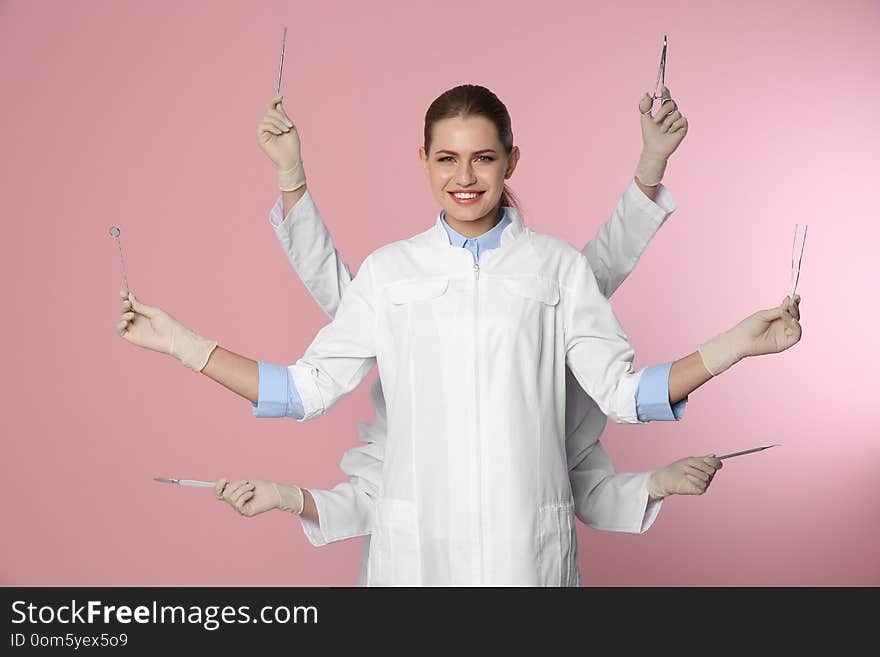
(479, 442)
(478, 445)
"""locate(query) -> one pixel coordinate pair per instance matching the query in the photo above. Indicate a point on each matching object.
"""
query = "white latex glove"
(251, 497)
(688, 476)
(278, 138)
(153, 328)
(765, 332)
(662, 132)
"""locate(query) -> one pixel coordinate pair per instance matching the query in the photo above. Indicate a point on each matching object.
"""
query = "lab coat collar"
(514, 229)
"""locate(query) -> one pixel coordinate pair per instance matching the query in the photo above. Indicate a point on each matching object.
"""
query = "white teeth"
(465, 195)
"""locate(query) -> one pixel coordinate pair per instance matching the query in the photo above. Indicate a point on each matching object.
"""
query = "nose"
(465, 176)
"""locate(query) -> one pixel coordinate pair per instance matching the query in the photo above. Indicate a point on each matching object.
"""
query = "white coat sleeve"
(596, 348)
(616, 502)
(348, 509)
(621, 240)
(604, 499)
(309, 248)
(608, 500)
(342, 353)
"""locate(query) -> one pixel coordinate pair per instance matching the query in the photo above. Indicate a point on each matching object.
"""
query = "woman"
(603, 498)
(471, 354)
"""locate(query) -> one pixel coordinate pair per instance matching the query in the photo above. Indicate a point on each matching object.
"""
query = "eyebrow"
(485, 150)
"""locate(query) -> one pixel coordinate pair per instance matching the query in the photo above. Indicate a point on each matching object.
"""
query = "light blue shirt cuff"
(277, 396)
(652, 396)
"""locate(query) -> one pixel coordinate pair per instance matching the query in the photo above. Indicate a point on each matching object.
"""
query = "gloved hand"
(661, 135)
(688, 476)
(254, 496)
(765, 332)
(278, 138)
(153, 328)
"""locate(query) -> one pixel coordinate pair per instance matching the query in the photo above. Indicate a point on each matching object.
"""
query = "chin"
(458, 215)
(465, 213)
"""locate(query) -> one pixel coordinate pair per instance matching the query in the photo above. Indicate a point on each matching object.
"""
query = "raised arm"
(295, 217)
(643, 208)
(615, 250)
(309, 248)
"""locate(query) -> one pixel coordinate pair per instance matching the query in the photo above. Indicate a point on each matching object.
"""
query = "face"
(467, 157)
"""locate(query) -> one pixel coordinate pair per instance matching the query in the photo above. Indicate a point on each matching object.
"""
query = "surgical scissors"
(799, 238)
(661, 79)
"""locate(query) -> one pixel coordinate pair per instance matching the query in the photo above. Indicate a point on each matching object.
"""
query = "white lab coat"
(604, 498)
(421, 295)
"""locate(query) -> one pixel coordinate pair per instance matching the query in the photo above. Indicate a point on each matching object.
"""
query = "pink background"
(144, 115)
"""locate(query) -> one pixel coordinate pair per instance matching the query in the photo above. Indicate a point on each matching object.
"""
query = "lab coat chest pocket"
(541, 290)
(557, 545)
(527, 313)
(413, 291)
(418, 313)
(394, 546)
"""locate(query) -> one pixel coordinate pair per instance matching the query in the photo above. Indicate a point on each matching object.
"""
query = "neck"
(477, 227)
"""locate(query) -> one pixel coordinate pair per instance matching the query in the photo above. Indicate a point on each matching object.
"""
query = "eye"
(486, 158)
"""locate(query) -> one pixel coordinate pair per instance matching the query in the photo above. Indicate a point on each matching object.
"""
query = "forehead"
(463, 134)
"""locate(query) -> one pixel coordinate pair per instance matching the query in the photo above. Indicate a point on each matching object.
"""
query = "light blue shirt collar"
(491, 239)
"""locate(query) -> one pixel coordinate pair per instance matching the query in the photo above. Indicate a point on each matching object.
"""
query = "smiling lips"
(466, 198)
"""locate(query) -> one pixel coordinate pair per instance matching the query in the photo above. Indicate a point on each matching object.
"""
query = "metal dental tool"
(281, 63)
(661, 78)
(114, 231)
(800, 240)
(748, 451)
(185, 482)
